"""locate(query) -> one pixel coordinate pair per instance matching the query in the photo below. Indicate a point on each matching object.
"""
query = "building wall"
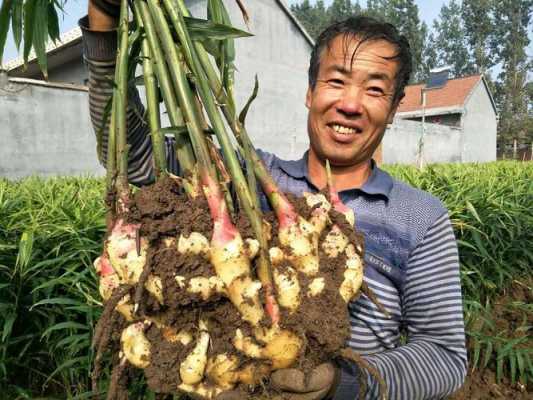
(45, 131)
(279, 54)
(442, 144)
(479, 125)
(73, 71)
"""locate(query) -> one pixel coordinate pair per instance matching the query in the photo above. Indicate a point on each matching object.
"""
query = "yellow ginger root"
(316, 287)
(196, 243)
(224, 370)
(281, 346)
(127, 255)
(193, 367)
(301, 241)
(184, 337)
(109, 281)
(301, 238)
(335, 242)
(232, 264)
(353, 275)
(135, 345)
(321, 206)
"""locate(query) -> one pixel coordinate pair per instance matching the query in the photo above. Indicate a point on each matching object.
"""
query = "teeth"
(343, 129)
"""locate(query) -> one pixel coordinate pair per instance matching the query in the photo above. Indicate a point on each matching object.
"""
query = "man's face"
(351, 103)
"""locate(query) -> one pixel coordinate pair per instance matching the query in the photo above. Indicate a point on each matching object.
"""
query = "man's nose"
(351, 102)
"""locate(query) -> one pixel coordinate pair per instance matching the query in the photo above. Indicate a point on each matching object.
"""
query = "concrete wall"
(479, 125)
(441, 143)
(45, 131)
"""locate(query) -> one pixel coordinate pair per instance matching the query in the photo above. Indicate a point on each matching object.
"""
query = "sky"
(74, 9)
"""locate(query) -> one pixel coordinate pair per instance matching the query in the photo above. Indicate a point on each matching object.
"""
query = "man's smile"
(343, 133)
(345, 129)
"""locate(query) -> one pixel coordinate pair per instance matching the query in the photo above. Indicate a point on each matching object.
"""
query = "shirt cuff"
(348, 387)
(98, 45)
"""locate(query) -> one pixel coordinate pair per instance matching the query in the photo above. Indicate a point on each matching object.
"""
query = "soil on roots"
(164, 213)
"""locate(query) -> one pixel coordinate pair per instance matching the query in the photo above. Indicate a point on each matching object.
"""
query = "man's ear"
(308, 97)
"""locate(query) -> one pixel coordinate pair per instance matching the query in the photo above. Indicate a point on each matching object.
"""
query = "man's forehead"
(346, 50)
(349, 47)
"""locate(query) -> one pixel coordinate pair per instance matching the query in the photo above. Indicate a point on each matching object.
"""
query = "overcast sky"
(74, 9)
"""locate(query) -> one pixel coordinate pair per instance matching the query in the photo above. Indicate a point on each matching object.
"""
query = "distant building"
(456, 122)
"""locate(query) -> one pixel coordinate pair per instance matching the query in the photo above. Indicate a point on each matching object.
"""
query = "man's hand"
(294, 384)
(103, 14)
(315, 385)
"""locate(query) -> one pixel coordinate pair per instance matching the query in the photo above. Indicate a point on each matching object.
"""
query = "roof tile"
(454, 93)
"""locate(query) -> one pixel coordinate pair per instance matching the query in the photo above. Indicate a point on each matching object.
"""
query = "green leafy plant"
(33, 24)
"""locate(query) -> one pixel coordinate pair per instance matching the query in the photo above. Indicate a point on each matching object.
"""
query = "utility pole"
(420, 152)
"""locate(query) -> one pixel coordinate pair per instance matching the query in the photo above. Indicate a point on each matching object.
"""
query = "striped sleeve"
(99, 55)
(432, 364)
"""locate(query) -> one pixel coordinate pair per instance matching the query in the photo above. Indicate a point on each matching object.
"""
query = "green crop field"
(51, 230)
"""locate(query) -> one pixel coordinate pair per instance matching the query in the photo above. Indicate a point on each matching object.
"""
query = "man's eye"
(336, 82)
(375, 90)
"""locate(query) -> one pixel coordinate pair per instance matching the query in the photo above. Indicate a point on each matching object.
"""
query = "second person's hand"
(103, 14)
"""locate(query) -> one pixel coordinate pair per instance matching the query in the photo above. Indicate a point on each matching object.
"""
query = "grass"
(51, 230)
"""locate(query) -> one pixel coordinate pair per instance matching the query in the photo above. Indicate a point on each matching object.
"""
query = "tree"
(450, 40)
(313, 17)
(479, 28)
(339, 10)
(404, 15)
(429, 55)
(511, 41)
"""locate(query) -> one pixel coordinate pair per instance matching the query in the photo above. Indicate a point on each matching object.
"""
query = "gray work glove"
(294, 384)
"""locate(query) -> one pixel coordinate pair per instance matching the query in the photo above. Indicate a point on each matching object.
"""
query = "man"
(357, 74)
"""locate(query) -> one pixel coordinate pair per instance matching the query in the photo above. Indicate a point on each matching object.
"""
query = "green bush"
(52, 229)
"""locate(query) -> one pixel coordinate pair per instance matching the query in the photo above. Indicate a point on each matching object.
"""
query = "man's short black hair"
(365, 29)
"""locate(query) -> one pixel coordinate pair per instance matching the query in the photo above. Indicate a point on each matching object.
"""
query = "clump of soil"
(481, 385)
(164, 212)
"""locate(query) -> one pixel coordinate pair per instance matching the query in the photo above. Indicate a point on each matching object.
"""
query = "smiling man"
(357, 74)
(351, 100)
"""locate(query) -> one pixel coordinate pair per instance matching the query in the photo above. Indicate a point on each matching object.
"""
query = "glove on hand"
(315, 385)
(293, 384)
(109, 7)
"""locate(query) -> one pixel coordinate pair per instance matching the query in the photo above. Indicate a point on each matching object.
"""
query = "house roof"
(449, 98)
(293, 18)
(66, 39)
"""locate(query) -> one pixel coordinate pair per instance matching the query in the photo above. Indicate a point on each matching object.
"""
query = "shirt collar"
(379, 182)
